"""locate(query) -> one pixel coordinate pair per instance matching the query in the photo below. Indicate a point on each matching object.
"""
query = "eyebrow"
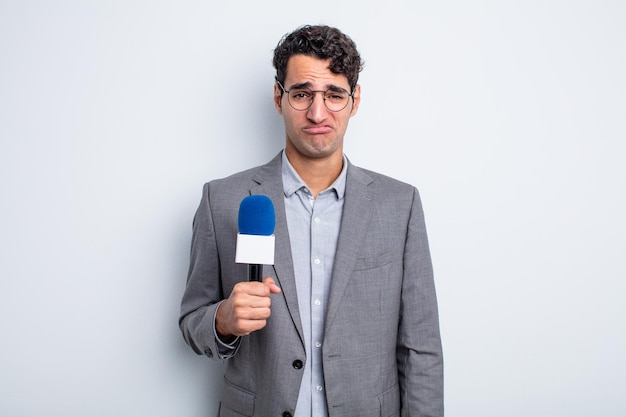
(307, 85)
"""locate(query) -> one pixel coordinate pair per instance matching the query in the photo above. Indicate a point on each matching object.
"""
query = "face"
(317, 132)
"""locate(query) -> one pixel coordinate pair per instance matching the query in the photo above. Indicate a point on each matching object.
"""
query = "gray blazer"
(382, 351)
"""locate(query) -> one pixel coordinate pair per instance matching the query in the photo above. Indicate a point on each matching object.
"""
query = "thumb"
(269, 281)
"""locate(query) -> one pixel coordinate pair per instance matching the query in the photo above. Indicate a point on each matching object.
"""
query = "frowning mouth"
(318, 129)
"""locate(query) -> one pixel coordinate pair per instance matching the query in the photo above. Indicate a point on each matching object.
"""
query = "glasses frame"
(351, 94)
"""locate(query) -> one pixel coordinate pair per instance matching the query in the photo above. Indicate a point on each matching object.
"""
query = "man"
(345, 323)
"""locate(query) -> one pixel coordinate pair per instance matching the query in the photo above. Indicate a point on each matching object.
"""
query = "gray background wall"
(508, 115)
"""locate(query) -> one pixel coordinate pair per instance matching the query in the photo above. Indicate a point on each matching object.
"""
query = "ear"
(356, 100)
(278, 99)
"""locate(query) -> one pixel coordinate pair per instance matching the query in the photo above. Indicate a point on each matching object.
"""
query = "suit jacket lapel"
(269, 182)
(357, 211)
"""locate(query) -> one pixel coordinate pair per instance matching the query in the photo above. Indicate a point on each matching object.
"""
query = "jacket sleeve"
(203, 291)
(419, 351)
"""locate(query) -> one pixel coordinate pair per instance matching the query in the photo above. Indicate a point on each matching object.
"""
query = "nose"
(317, 112)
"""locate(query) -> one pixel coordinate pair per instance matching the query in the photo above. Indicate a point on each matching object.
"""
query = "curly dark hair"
(323, 42)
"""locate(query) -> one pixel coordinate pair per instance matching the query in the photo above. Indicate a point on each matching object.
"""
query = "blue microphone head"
(256, 216)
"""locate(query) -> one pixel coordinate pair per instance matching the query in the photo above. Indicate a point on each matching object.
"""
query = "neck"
(317, 174)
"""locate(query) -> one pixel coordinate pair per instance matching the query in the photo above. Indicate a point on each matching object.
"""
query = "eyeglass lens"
(302, 99)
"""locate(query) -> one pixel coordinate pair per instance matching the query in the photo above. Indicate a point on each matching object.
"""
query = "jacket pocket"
(363, 264)
(390, 403)
(236, 399)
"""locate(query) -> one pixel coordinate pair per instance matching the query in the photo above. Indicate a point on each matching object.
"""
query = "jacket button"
(298, 365)
(287, 414)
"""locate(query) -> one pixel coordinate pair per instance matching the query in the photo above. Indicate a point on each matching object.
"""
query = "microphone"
(255, 240)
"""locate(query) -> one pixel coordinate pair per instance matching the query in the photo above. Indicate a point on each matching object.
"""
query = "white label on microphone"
(254, 249)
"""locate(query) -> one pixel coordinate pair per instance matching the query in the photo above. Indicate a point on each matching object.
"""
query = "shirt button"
(297, 364)
(318, 344)
(317, 261)
(319, 388)
(318, 302)
(317, 220)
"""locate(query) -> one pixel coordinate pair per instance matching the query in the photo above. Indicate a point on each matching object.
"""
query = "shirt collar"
(292, 181)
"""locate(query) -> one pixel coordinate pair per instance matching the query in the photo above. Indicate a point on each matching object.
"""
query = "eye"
(333, 96)
(301, 95)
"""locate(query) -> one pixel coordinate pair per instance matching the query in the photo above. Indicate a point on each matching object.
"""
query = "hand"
(246, 309)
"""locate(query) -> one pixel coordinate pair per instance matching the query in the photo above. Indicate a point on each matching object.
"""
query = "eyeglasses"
(335, 98)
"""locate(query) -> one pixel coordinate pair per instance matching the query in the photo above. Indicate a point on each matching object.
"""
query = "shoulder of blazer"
(259, 174)
(376, 182)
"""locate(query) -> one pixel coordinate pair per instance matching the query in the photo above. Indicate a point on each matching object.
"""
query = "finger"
(248, 326)
(251, 313)
(253, 300)
(251, 288)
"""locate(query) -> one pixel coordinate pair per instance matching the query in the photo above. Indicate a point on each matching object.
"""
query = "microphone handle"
(255, 272)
